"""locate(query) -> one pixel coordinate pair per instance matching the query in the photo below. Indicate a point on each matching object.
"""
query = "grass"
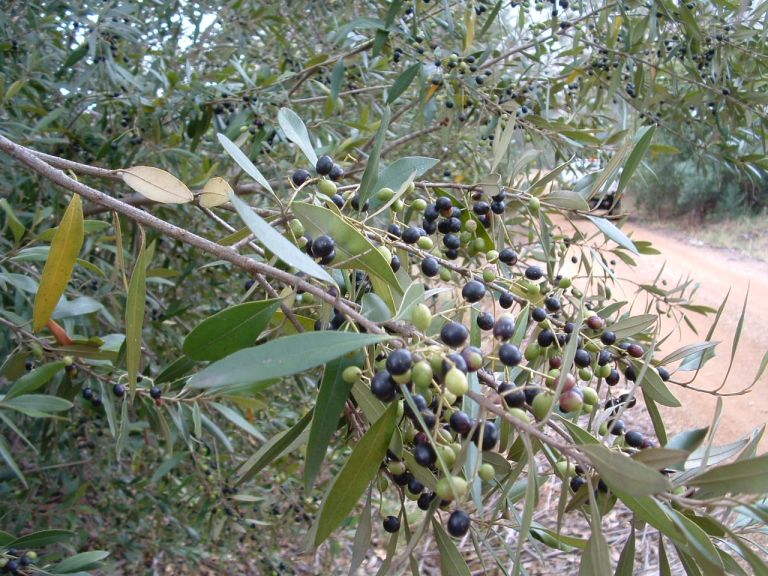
(747, 235)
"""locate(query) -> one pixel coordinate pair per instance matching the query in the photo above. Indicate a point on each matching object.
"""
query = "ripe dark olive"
(454, 334)
(322, 246)
(454, 224)
(595, 322)
(663, 373)
(510, 355)
(383, 387)
(429, 418)
(329, 258)
(513, 396)
(616, 427)
(506, 300)
(454, 360)
(155, 392)
(625, 399)
(391, 524)
(324, 165)
(444, 205)
(395, 263)
(338, 199)
(393, 230)
(539, 314)
(634, 438)
(577, 482)
(429, 226)
(430, 267)
(460, 423)
(399, 361)
(630, 373)
(604, 357)
(425, 500)
(635, 350)
(569, 327)
(552, 304)
(531, 393)
(481, 208)
(451, 254)
(545, 338)
(300, 176)
(534, 273)
(473, 291)
(582, 359)
(498, 207)
(508, 256)
(356, 203)
(414, 486)
(431, 213)
(504, 328)
(118, 390)
(485, 321)
(411, 235)
(336, 173)
(87, 393)
(451, 241)
(402, 479)
(424, 455)
(613, 378)
(458, 523)
(490, 436)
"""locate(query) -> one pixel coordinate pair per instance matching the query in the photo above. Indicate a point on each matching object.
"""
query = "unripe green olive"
(421, 317)
(396, 467)
(590, 396)
(520, 414)
(297, 228)
(565, 469)
(532, 351)
(486, 472)
(541, 405)
(479, 244)
(384, 251)
(534, 204)
(397, 205)
(382, 483)
(492, 256)
(421, 374)
(445, 274)
(470, 225)
(488, 275)
(419, 204)
(564, 283)
(425, 243)
(451, 487)
(456, 382)
(449, 397)
(447, 455)
(385, 194)
(402, 378)
(327, 187)
(351, 374)
(585, 374)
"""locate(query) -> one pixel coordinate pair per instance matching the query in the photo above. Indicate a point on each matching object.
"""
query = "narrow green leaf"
(742, 477)
(34, 380)
(659, 458)
(688, 440)
(42, 538)
(238, 420)
(596, 556)
(452, 563)
(5, 452)
(294, 129)
(79, 562)
(401, 170)
(134, 312)
(358, 471)
(37, 405)
(761, 369)
(402, 82)
(501, 144)
(6, 538)
(362, 537)
(280, 444)
(277, 243)
(17, 228)
(626, 564)
(242, 160)
(642, 142)
(613, 233)
(567, 200)
(59, 264)
(333, 394)
(337, 78)
(698, 543)
(353, 250)
(622, 473)
(371, 173)
(655, 387)
(627, 327)
(281, 357)
(647, 509)
(229, 330)
(687, 351)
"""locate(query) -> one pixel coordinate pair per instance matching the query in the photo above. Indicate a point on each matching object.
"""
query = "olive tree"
(277, 272)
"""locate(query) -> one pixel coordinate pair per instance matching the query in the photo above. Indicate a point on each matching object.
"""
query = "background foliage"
(499, 94)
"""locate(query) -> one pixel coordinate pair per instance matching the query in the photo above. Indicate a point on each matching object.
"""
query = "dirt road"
(716, 270)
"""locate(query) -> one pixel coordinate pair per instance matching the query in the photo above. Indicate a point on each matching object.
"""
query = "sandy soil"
(717, 271)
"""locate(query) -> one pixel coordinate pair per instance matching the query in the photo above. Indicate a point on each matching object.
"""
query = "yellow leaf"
(157, 185)
(65, 248)
(215, 193)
